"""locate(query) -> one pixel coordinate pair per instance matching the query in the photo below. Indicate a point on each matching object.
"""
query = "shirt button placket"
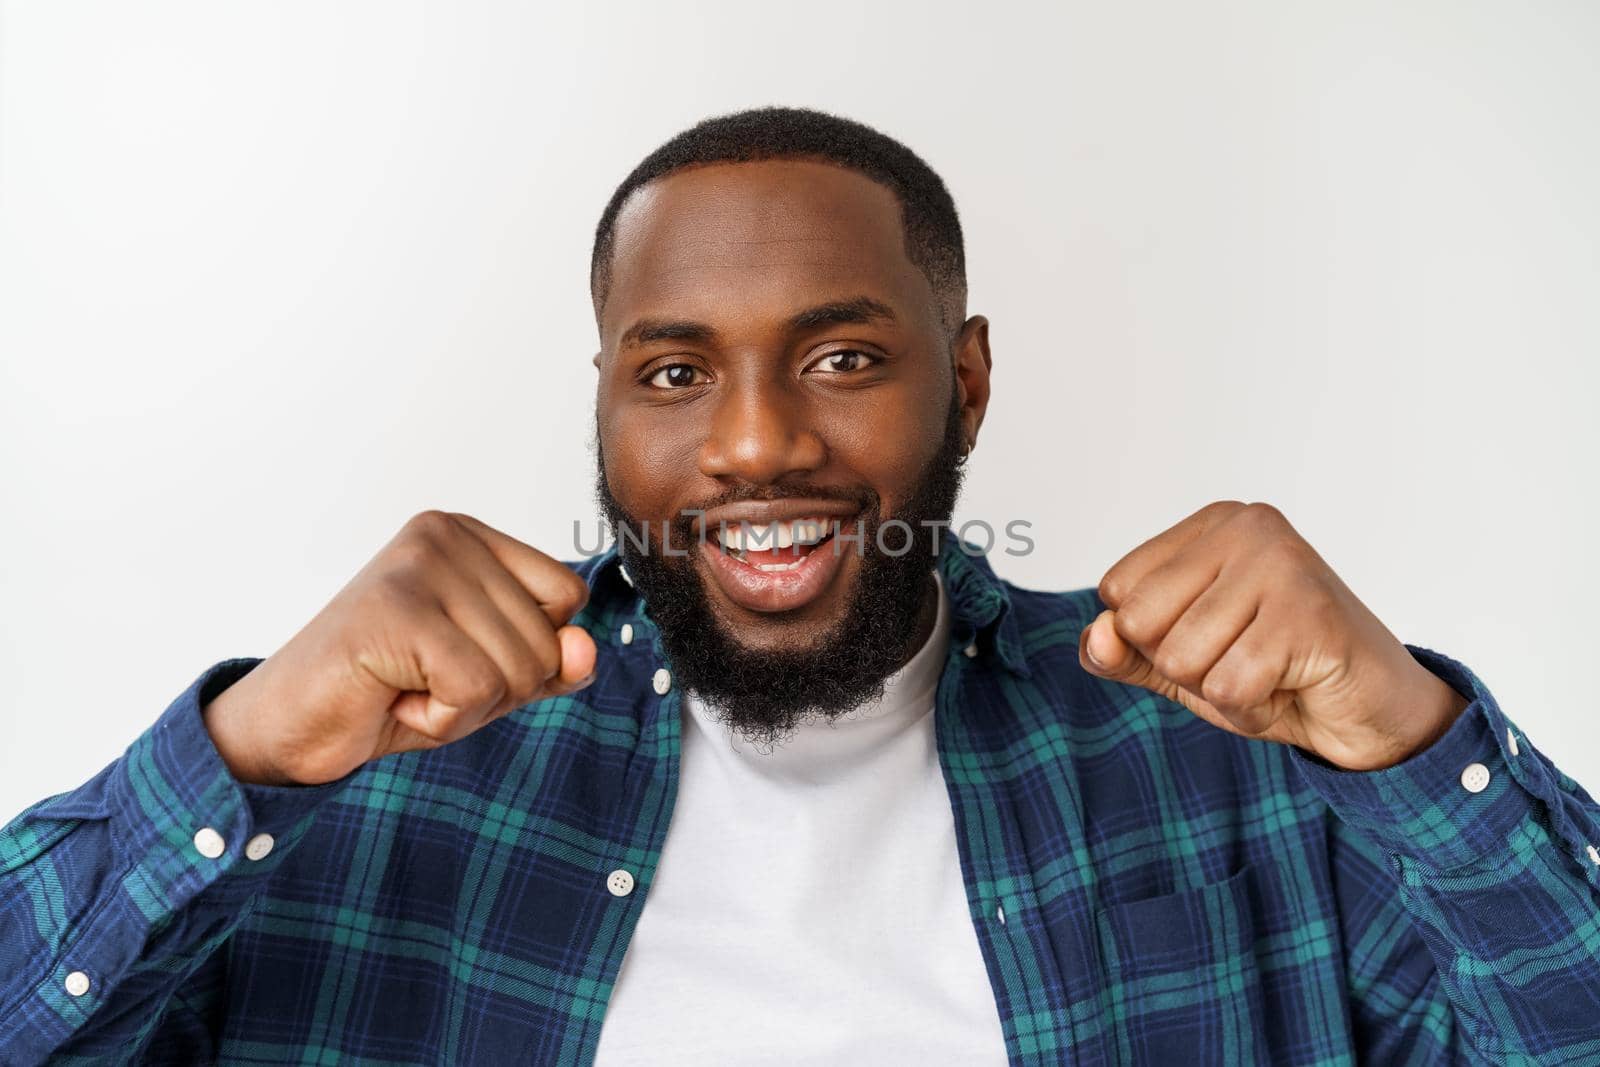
(258, 847)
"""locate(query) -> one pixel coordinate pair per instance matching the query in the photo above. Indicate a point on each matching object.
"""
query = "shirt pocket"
(1181, 981)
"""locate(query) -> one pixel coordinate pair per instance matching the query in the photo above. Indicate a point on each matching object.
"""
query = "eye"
(844, 361)
(676, 376)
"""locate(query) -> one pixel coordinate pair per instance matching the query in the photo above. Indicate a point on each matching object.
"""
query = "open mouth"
(773, 566)
(774, 547)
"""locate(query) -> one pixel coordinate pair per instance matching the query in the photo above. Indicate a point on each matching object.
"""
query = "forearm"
(113, 894)
(1488, 847)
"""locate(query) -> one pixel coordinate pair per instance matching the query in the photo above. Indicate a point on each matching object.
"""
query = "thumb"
(578, 660)
(1103, 652)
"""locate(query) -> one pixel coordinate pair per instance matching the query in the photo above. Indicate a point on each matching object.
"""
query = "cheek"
(650, 462)
(890, 448)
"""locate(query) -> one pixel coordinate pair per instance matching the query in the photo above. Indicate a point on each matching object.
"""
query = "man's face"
(770, 354)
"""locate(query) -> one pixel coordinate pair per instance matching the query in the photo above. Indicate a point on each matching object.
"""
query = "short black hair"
(928, 213)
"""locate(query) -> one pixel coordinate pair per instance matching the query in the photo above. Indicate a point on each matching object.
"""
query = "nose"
(760, 434)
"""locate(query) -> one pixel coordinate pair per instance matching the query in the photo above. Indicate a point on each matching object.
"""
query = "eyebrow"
(856, 309)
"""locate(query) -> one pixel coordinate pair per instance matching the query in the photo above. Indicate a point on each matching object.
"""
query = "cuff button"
(208, 843)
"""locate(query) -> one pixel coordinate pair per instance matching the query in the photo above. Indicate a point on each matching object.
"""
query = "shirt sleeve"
(113, 894)
(1493, 854)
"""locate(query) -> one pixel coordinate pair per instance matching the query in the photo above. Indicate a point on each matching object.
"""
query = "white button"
(662, 681)
(971, 650)
(624, 572)
(620, 882)
(1594, 855)
(258, 847)
(1511, 742)
(208, 843)
(1475, 779)
(77, 983)
(627, 633)
(1000, 913)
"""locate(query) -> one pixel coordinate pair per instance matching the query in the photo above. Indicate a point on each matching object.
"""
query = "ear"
(971, 354)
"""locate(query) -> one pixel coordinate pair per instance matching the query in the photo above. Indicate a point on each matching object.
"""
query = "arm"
(1471, 908)
(116, 898)
(111, 909)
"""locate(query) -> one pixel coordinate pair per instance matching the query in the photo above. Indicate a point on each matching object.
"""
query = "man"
(788, 774)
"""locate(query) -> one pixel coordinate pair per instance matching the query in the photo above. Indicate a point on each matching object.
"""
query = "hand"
(449, 627)
(1233, 615)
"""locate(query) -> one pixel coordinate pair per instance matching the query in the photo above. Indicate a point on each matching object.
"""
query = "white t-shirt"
(808, 907)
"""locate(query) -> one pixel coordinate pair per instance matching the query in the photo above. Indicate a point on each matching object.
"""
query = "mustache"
(681, 525)
(862, 496)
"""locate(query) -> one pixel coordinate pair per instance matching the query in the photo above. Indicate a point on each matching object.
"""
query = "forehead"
(758, 239)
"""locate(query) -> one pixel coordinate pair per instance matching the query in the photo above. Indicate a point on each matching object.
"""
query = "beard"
(764, 694)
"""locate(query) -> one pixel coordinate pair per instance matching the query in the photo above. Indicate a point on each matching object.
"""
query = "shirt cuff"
(165, 807)
(174, 798)
(1466, 797)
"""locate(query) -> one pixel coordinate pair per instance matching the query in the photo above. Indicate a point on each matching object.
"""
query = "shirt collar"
(980, 602)
(981, 611)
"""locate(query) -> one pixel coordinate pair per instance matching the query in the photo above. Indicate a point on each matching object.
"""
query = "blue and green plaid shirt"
(1145, 888)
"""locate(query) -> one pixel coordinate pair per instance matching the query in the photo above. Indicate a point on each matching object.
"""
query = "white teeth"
(744, 536)
(809, 531)
(765, 536)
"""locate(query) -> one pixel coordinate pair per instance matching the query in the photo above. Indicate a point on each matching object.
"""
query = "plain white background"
(275, 277)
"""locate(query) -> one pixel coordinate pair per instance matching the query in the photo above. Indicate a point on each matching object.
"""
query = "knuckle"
(1222, 690)
(1264, 516)
(570, 594)
(1178, 664)
(431, 523)
(1224, 507)
(526, 678)
(1111, 589)
(415, 552)
(1135, 621)
(482, 685)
